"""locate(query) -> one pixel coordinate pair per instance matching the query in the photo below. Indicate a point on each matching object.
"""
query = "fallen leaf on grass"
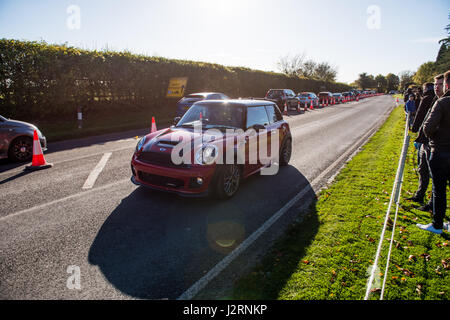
(426, 256)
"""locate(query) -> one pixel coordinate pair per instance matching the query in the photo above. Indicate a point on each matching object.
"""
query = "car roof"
(203, 93)
(236, 102)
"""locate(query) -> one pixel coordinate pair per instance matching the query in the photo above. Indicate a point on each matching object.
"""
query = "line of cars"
(153, 164)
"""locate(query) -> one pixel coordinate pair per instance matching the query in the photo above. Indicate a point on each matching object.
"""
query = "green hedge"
(42, 81)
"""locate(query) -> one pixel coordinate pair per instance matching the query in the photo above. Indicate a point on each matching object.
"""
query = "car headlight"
(207, 154)
(140, 144)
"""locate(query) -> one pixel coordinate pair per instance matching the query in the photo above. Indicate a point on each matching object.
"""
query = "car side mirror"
(175, 120)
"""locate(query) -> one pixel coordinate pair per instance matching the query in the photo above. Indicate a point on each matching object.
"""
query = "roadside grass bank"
(329, 254)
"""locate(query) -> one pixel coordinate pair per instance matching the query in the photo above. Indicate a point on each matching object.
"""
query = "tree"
(308, 69)
(296, 66)
(392, 82)
(406, 78)
(365, 81)
(324, 71)
(291, 66)
(381, 83)
(425, 73)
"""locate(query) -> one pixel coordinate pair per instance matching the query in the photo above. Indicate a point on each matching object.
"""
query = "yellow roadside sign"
(176, 87)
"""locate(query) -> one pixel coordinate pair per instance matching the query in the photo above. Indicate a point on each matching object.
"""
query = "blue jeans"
(440, 174)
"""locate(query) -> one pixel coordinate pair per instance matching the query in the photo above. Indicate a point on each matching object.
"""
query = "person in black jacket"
(406, 94)
(422, 141)
(437, 129)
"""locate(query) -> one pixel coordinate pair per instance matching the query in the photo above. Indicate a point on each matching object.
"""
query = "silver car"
(16, 140)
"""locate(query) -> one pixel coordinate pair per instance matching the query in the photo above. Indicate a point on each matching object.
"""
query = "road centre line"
(71, 159)
(96, 171)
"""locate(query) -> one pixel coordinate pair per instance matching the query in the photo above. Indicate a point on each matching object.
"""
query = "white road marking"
(94, 173)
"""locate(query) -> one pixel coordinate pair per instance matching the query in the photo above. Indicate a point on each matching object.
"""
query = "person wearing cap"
(437, 129)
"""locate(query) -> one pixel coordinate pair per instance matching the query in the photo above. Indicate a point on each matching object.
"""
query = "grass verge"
(329, 254)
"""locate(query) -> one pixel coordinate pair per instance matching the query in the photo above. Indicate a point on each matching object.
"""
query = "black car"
(186, 102)
(283, 98)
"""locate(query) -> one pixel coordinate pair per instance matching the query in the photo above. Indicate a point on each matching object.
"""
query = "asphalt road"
(129, 242)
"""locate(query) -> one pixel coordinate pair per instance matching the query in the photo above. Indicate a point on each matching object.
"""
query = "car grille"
(160, 159)
(160, 180)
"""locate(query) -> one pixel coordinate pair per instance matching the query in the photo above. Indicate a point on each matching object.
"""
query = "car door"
(256, 115)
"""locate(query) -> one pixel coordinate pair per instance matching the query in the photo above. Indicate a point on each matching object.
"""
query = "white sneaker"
(447, 226)
(429, 227)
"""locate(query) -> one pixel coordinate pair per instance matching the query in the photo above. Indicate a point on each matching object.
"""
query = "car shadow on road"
(6, 165)
(155, 245)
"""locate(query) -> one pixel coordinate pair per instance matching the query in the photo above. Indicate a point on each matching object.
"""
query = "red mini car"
(212, 147)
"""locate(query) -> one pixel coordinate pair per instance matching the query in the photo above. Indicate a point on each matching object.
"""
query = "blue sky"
(250, 33)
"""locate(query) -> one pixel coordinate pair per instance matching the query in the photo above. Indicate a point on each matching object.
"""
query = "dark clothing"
(418, 121)
(440, 173)
(437, 126)
(425, 104)
(424, 171)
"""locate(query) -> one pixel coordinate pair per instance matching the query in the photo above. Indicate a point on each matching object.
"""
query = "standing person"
(406, 94)
(437, 128)
(410, 108)
(422, 141)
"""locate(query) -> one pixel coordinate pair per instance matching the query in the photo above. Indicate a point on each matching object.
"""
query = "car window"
(274, 94)
(256, 115)
(273, 113)
(215, 97)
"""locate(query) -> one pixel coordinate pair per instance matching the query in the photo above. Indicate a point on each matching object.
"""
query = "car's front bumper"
(43, 142)
(179, 181)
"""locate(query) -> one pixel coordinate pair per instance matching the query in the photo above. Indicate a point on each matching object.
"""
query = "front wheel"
(286, 152)
(21, 149)
(229, 178)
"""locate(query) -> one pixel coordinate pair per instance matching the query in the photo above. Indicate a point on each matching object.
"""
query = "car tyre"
(228, 181)
(286, 152)
(21, 149)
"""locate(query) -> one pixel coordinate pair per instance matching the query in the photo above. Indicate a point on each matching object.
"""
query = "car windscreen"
(303, 95)
(214, 116)
(274, 94)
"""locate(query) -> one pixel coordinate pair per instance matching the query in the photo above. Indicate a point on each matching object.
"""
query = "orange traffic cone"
(38, 162)
(153, 125)
(285, 109)
(298, 107)
(312, 105)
